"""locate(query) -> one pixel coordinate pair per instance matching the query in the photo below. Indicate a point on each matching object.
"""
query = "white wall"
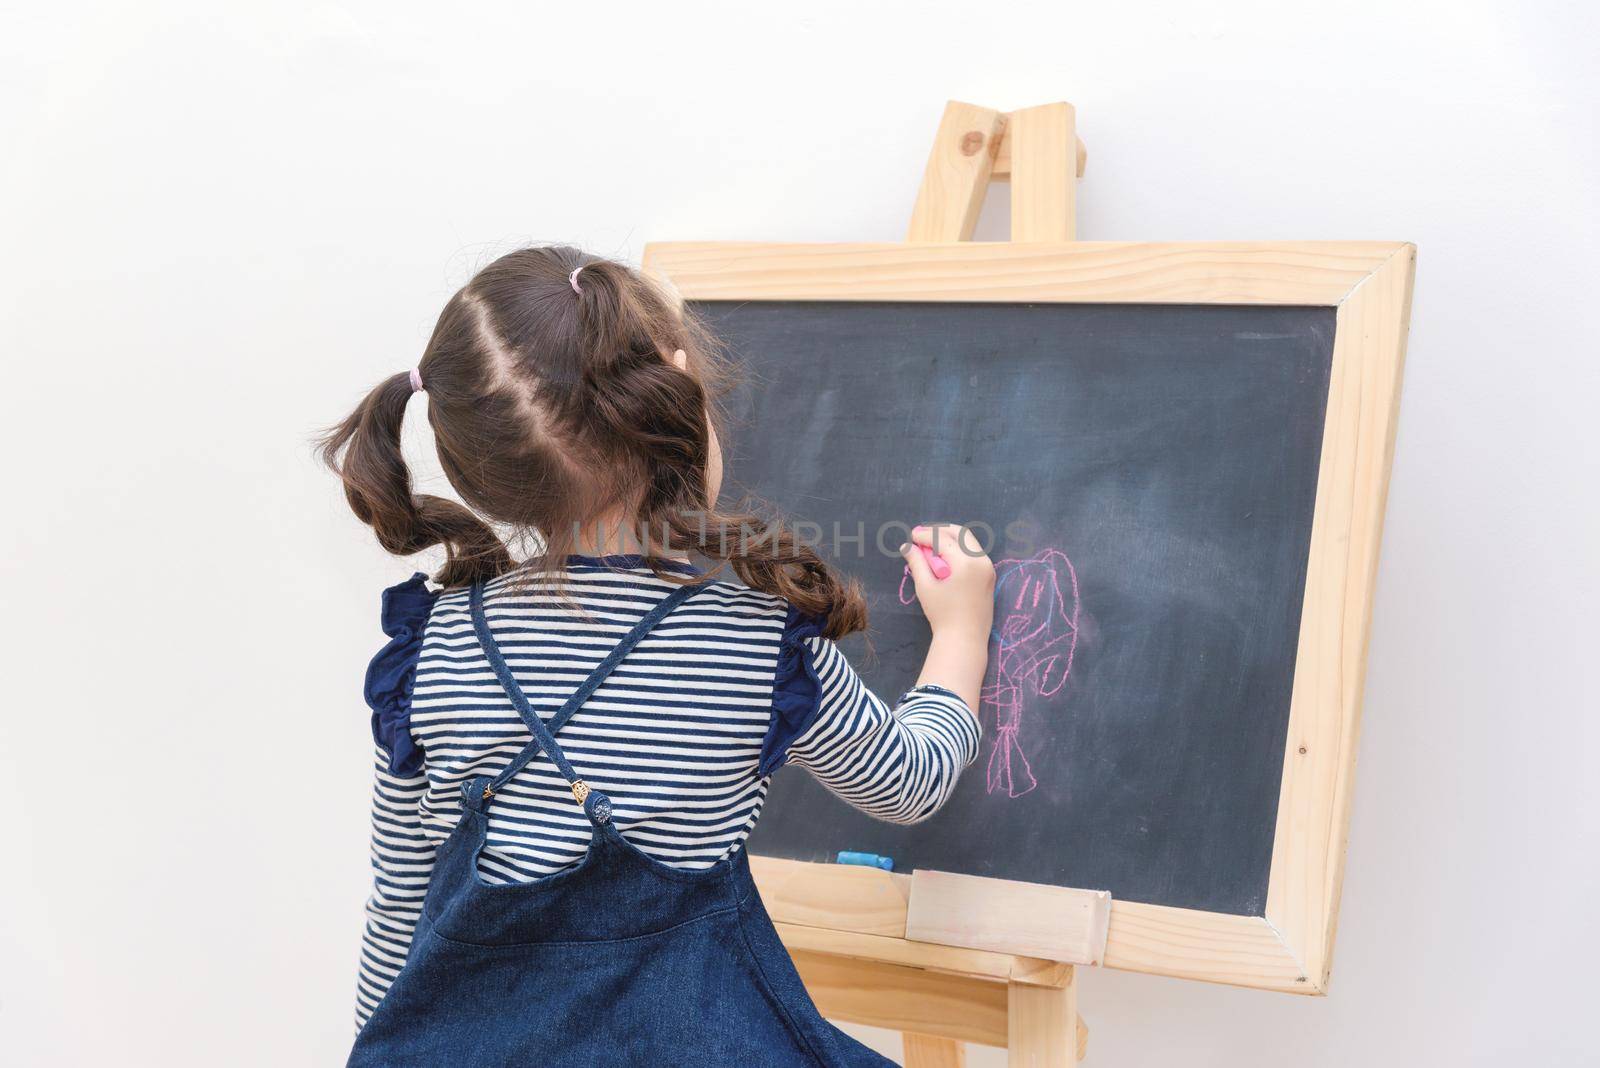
(223, 222)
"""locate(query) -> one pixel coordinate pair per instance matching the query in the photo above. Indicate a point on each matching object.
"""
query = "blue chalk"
(870, 860)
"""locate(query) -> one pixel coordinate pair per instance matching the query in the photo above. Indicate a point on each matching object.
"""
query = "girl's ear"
(680, 360)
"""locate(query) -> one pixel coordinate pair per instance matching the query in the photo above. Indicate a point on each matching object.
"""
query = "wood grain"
(955, 960)
(1043, 1031)
(839, 897)
(1044, 178)
(1251, 272)
(1347, 527)
(930, 1051)
(1208, 946)
(1235, 950)
(906, 999)
(957, 174)
(1002, 157)
(1007, 916)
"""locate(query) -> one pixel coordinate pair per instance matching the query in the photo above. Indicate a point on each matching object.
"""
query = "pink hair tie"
(572, 279)
(416, 380)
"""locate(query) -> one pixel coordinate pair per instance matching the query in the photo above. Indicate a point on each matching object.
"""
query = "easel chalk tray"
(1180, 453)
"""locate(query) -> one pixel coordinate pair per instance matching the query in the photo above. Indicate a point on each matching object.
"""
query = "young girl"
(572, 750)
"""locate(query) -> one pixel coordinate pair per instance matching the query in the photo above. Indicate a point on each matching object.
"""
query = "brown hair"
(553, 409)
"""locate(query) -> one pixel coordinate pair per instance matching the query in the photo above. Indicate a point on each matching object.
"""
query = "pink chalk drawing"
(1034, 639)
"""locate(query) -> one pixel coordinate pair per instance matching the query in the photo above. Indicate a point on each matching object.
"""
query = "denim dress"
(620, 960)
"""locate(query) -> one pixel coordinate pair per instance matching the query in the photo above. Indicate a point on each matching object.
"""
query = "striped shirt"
(675, 736)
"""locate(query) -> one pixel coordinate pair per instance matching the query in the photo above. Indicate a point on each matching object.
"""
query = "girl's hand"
(963, 604)
(960, 609)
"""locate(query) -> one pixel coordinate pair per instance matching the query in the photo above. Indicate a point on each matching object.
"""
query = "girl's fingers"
(916, 563)
(942, 538)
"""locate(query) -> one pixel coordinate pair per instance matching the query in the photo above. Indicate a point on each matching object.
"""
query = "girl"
(572, 750)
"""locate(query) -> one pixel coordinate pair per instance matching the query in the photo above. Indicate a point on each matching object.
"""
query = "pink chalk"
(936, 564)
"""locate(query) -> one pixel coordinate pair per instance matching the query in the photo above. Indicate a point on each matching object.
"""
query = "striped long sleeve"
(677, 736)
(402, 862)
(897, 765)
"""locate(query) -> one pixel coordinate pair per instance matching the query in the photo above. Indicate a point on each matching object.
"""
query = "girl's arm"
(902, 765)
(959, 607)
(402, 862)
(896, 765)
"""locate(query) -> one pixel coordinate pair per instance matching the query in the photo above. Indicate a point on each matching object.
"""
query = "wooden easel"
(948, 958)
(897, 951)
(1036, 148)
(873, 947)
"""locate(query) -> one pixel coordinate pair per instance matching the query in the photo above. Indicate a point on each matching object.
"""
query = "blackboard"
(1149, 474)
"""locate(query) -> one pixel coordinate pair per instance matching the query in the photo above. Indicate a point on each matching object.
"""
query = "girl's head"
(568, 406)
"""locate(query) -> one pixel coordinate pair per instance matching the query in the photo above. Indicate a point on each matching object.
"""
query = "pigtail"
(364, 451)
(768, 557)
(627, 328)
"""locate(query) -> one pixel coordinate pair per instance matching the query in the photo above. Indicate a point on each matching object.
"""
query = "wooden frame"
(1290, 947)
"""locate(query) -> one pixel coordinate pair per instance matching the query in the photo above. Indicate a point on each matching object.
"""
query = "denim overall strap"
(595, 804)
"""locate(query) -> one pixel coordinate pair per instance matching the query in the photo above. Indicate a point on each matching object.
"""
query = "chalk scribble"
(1033, 641)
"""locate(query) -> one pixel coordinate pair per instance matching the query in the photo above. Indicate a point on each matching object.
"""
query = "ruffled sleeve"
(796, 690)
(393, 672)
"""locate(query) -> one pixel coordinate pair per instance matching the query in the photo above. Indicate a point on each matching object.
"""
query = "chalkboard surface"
(1149, 474)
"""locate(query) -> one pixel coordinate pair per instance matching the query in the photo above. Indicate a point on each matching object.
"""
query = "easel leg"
(1043, 1025)
(1044, 173)
(957, 175)
(929, 1051)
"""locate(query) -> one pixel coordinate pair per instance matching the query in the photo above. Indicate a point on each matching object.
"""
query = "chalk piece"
(936, 564)
(870, 860)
